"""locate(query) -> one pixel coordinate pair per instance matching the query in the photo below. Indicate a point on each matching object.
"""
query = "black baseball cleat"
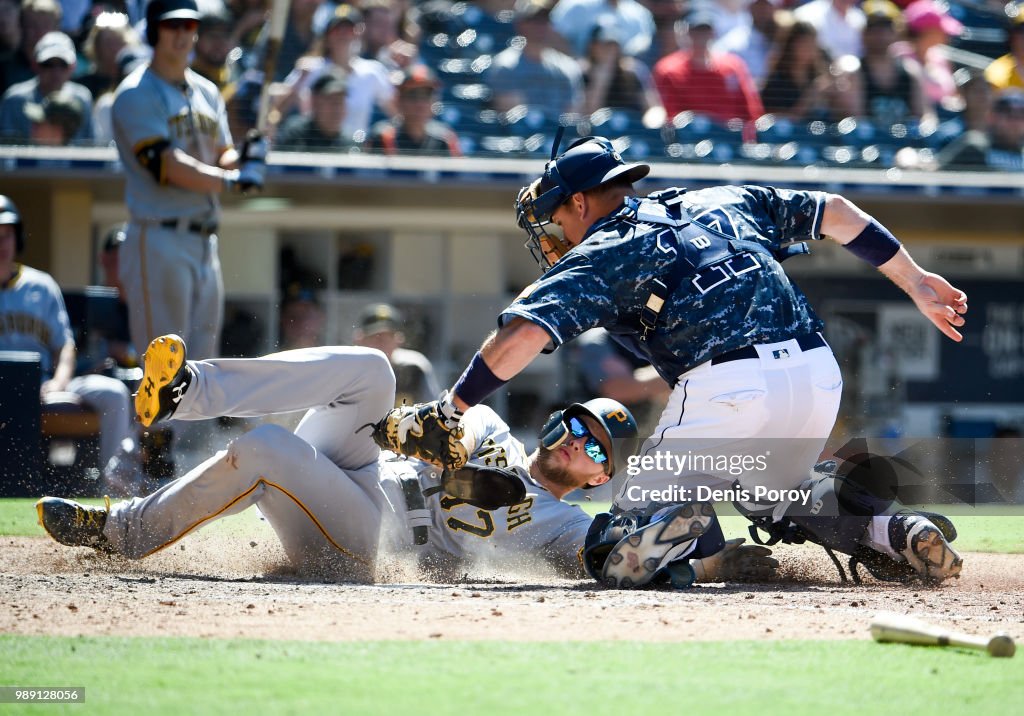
(74, 524)
(165, 378)
(635, 560)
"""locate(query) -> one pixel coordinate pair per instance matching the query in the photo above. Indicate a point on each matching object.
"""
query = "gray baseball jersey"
(169, 265)
(148, 109)
(333, 498)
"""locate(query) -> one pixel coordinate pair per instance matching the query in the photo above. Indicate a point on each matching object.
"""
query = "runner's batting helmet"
(616, 419)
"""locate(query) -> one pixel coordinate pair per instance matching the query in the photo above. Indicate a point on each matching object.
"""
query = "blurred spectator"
(753, 42)
(575, 20)
(54, 63)
(380, 327)
(368, 82)
(213, 47)
(666, 14)
(128, 59)
(34, 318)
(414, 130)
(609, 370)
(996, 144)
(1008, 70)
(56, 119)
(929, 27)
(493, 21)
(380, 39)
(247, 18)
(799, 83)
(533, 72)
(297, 41)
(728, 14)
(889, 92)
(38, 17)
(613, 79)
(320, 130)
(839, 24)
(302, 320)
(10, 37)
(110, 34)
(697, 79)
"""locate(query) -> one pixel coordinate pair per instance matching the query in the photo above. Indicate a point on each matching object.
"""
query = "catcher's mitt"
(425, 432)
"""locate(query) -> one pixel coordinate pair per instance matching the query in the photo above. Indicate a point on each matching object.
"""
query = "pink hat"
(927, 14)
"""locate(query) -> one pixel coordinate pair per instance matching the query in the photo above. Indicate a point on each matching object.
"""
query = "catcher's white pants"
(319, 487)
(723, 423)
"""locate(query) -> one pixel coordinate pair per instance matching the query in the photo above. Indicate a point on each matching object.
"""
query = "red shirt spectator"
(716, 84)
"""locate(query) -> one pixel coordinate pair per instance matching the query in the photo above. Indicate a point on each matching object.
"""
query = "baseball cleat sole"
(164, 370)
(634, 561)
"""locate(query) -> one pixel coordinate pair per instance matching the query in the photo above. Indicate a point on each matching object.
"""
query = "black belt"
(806, 343)
(193, 227)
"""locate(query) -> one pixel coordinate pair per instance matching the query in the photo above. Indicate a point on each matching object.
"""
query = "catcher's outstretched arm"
(505, 352)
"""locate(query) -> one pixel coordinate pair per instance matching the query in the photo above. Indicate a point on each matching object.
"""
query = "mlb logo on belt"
(781, 353)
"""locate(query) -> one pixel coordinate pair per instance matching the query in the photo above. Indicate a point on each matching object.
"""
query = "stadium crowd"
(920, 84)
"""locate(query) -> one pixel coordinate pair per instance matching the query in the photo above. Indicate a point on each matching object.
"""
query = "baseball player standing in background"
(333, 497)
(692, 282)
(171, 131)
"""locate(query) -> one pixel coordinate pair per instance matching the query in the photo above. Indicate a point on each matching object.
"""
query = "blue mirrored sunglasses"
(594, 449)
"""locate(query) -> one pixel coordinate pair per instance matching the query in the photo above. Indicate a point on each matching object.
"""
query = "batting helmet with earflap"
(160, 10)
(616, 419)
(9, 214)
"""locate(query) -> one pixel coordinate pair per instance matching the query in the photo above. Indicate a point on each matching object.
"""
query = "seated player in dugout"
(693, 282)
(341, 506)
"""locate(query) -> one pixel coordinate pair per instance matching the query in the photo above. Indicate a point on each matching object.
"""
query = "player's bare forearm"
(189, 173)
(941, 303)
(510, 349)
(64, 368)
(842, 220)
(228, 159)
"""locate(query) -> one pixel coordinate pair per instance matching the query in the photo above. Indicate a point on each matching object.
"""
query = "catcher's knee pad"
(633, 549)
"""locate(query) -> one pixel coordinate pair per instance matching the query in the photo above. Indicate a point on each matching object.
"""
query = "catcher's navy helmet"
(9, 214)
(616, 419)
(159, 10)
(588, 162)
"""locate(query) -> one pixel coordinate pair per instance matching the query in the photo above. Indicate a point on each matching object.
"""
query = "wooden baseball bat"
(275, 32)
(888, 627)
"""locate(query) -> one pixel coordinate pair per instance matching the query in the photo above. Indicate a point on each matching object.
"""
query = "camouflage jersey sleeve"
(574, 296)
(774, 217)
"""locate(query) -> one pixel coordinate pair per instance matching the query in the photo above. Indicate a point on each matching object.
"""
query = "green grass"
(174, 676)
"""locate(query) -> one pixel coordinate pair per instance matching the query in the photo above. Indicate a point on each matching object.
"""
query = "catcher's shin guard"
(637, 558)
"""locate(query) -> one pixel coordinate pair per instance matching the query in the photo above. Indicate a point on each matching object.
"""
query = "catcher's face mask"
(587, 163)
(545, 247)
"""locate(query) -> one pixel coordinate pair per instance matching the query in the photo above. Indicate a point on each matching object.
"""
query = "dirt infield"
(226, 587)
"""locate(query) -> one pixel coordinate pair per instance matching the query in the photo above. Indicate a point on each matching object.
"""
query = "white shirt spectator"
(575, 20)
(368, 85)
(751, 46)
(838, 33)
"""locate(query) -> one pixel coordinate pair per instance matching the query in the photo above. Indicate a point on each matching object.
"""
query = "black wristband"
(477, 382)
(875, 244)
